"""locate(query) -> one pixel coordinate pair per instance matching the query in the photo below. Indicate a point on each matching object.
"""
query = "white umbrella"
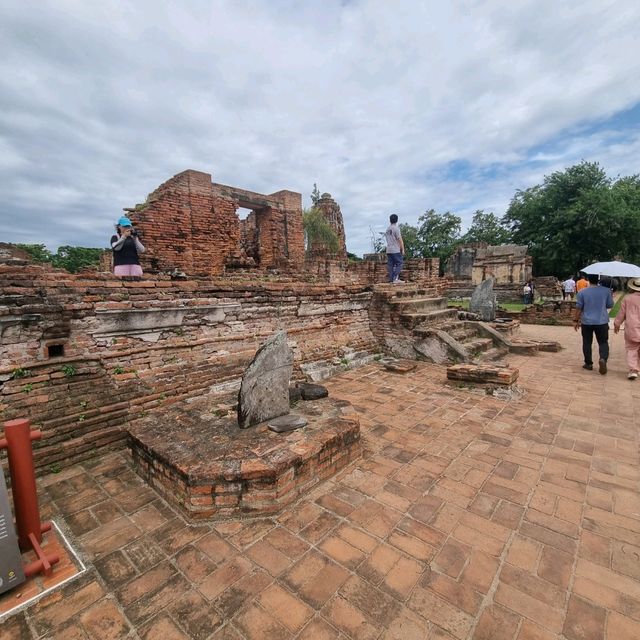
(615, 269)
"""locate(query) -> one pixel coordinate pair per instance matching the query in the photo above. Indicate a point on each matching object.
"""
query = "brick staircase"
(431, 330)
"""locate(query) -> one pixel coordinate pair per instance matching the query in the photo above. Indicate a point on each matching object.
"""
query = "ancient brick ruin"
(331, 211)
(190, 224)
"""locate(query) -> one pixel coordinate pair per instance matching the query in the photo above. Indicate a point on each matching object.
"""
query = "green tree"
(315, 195)
(38, 252)
(75, 258)
(318, 233)
(575, 217)
(487, 227)
(411, 240)
(438, 234)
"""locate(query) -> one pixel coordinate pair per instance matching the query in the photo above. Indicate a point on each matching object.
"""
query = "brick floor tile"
(475, 539)
(426, 508)
(524, 553)
(626, 559)
(292, 546)
(531, 631)
(554, 524)
(608, 578)
(556, 567)
(496, 623)
(484, 505)
(268, 557)
(195, 615)
(232, 599)
(375, 518)
(532, 585)
(115, 569)
(452, 558)
(428, 605)
(507, 515)
(71, 631)
(424, 532)
(447, 518)
(223, 577)
(82, 522)
(148, 518)
(569, 510)
(164, 627)
(403, 576)
(320, 527)
(195, 564)
(103, 621)
(146, 583)
(215, 547)
(106, 511)
(407, 626)
(379, 563)
(532, 608)
(144, 553)
(584, 620)
(257, 624)
(357, 538)
(457, 593)
(622, 628)
(62, 605)
(595, 548)
(337, 506)
(251, 532)
(318, 629)
(298, 518)
(15, 628)
(411, 545)
(111, 536)
(315, 578)
(174, 535)
(546, 536)
(342, 552)
(155, 601)
(480, 571)
(346, 617)
(377, 607)
(285, 608)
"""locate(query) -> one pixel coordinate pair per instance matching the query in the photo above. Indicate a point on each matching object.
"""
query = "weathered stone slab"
(400, 366)
(479, 373)
(264, 391)
(286, 423)
(483, 301)
(312, 391)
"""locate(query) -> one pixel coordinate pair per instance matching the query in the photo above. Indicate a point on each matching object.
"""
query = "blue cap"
(124, 222)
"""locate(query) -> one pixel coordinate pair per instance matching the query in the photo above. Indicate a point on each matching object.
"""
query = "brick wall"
(133, 346)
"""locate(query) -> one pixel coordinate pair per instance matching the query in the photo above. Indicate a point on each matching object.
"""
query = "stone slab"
(483, 374)
(400, 366)
(290, 422)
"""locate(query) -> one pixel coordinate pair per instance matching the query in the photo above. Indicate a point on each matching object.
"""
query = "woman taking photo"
(126, 248)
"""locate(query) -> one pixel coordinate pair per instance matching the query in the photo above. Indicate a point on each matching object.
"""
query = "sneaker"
(588, 367)
(602, 366)
(632, 375)
(398, 281)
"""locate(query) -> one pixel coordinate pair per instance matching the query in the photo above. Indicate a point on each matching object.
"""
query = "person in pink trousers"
(630, 314)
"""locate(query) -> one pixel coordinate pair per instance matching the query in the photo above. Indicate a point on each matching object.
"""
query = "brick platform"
(481, 373)
(208, 467)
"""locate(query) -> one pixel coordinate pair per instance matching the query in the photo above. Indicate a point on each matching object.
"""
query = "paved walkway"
(468, 517)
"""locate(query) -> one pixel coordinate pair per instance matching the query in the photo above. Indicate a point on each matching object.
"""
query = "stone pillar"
(331, 211)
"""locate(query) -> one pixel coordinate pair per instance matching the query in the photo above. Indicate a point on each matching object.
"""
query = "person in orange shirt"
(582, 283)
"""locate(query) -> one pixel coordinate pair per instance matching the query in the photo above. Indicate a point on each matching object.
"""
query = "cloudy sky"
(391, 106)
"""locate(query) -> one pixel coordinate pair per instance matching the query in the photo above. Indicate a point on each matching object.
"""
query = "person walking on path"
(568, 288)
(582, 283)
(592, 316)
(126, 246)
(395, 249)
(629, 314)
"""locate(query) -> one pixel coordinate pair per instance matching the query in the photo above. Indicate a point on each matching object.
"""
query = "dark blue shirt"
(594, 302)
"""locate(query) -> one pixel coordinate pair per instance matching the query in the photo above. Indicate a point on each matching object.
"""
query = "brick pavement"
(468, 517)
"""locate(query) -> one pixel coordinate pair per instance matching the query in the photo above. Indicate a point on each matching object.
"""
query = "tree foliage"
(487, 227)
(439, 234)
(70, 258)
(318, 233)
(315, 195)
(575, 217)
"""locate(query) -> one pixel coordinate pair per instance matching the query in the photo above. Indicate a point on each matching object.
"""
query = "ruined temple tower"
(331, 211)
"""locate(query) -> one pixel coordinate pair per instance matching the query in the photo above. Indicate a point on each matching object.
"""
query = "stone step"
(480, 373)
(418, 305)
(428, 318)
(463, 332)
(495, 353)
(478, 345)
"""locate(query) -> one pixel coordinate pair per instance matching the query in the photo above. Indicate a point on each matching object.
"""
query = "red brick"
(584, 620)
(496, 623)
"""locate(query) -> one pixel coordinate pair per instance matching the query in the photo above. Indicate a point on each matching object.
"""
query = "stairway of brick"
(423, 314)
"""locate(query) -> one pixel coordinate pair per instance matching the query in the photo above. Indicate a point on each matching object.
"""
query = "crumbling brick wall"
(122, 348)
(330, 209)
(190, 224)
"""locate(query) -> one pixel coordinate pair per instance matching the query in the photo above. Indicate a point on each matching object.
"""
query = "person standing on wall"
(630, 314)
(395, 249)
(592, 316)
(126, 247)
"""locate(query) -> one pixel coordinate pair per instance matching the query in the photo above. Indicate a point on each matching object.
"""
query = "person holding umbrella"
(629, 314)
(592, 317)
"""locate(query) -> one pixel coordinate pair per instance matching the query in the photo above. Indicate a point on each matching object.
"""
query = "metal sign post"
(11, 573)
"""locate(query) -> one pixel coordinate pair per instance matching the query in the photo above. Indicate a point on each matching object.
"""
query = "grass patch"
(613, 312)
(513, 306)
(458, 304)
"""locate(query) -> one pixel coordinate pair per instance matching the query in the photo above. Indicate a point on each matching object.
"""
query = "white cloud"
(100, 103)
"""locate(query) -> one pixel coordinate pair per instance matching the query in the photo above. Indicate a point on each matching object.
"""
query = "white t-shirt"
(569, 285)
(393, 236)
